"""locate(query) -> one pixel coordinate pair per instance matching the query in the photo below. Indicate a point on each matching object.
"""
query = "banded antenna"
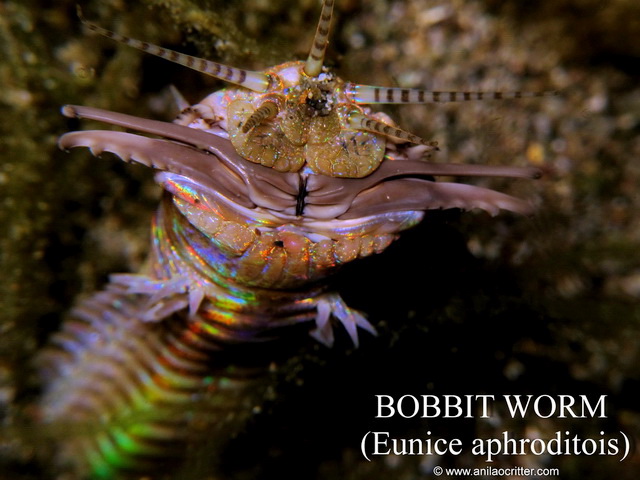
(256, 81)
(268, 109)
(358, 121)
(313, 66)
(367, 94)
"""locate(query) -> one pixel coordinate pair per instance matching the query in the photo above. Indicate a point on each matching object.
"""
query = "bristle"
(181, 102)
(313, 67)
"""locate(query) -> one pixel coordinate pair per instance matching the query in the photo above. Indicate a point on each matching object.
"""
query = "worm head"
(327, 155)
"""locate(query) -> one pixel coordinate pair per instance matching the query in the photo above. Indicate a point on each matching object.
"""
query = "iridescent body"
(269, 187)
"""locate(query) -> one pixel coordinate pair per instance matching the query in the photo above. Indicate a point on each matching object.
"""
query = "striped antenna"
(367, 94)
(313, 66)
(359, 121)
(267, 110)
(256, 81)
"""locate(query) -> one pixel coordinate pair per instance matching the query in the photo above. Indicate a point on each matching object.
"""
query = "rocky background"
(464, 303)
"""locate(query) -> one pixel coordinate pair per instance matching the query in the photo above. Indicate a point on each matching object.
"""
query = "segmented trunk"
(136, 395)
